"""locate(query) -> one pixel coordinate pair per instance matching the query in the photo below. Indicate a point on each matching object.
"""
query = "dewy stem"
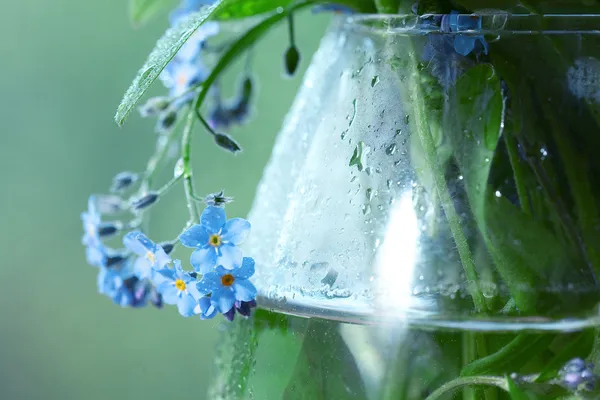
(188, 182)
(429, 148)
(468, 381)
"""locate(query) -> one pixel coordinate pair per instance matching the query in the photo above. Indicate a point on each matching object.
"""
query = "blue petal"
(230, 256)
(209, 283)
(213, 219)
(464, 44)
(95, 256)
(246, 270)
(195, 236)
(163, 275)
(236, 230)
(244, 290)
(203, 260)
(223, 299)
(207, 310)
(186, 305)
(169, 292)
(138, 243)
(142, 268)
(160, 258)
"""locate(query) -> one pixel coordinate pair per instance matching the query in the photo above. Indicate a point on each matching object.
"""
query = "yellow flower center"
(214, 240)
(151, 257)
(180, 284)
(227, 280)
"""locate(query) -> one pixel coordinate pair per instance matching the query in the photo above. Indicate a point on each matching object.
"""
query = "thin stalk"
(169, 184)
(429, 147)
(469, 354)
(468, 381)
(188, 182)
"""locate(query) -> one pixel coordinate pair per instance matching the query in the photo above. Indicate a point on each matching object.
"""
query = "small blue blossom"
(91, 221)
(151, 256)
(228, 286)
(464, 44)
(177, 287)
(578, 375)
(119, 284)
(215, 240)
(205, 308)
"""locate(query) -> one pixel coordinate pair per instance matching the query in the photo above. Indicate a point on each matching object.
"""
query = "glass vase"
(435, 191)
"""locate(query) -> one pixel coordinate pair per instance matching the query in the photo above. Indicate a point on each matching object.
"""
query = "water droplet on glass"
(498, 194)
(369, 194)
(374, 81)
(389, 183)
(366, 209)
(406, 119)
(460, 177)
(391, 149)
(487, 160)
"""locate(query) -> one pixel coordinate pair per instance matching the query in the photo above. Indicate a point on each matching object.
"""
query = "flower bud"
(166, 121)
(292, 59)
(154, 106)
(107, 229)
(217, 199)
(144, 202)
(167, 247)
(230, 315)
(123, 180)
(245, 307)
(227, 143)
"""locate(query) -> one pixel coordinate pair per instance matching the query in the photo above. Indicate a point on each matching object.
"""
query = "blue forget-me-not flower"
(151, 256)
(465, 44)
(228, 286)
(177, 287)
(215, 240)
(205, 308)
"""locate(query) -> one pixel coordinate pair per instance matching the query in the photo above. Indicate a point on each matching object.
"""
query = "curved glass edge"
(353, 313)
(496, 23)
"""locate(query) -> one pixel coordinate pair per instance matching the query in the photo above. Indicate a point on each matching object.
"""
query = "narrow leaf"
(325, 368)
(247, 8)
(140, 11)
(166, 48)
(516, 393)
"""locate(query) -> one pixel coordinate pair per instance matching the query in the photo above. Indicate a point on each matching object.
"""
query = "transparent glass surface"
(415, 183)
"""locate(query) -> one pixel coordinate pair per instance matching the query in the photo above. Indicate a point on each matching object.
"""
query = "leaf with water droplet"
(166, 48)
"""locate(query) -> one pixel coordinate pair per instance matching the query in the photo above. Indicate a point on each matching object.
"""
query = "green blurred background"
(65, 65)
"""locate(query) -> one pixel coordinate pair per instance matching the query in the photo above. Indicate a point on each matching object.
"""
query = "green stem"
(429, 147)
(169, 184)
(188, 182)
(473, 380)
(469, 354)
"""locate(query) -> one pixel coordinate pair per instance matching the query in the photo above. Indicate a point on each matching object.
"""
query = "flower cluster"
(184, 75)
(144, 272)
(578, 375)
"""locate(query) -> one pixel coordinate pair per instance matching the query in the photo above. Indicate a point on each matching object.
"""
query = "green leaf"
(509, 358)
(578, 345)
(246, 8)
(235, 360)
(141, 11)
(166, 48)
(516, 393)
(325, 368)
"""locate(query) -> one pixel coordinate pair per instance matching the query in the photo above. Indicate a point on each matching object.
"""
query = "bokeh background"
(64, 66)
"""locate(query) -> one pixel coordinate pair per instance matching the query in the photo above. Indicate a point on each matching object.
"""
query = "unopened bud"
(292, 59)
(109, 204)
(123, 180)
(107, 229)
(154, 106)
(227, 143)
(230, 315)
(247, 88)
(167, 247)
(115, 259)
(144, 201)
(166, 121)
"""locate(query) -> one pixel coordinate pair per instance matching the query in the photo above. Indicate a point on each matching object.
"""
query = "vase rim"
(495, 23)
